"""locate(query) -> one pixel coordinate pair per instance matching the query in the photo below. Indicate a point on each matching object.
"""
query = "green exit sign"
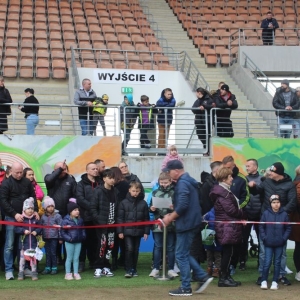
(126, 90)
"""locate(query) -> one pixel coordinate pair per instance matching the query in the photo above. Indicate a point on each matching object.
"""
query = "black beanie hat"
(225, 87)
(277, 168)
(72, 205)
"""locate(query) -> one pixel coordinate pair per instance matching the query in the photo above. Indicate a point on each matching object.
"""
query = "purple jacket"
(226, 209)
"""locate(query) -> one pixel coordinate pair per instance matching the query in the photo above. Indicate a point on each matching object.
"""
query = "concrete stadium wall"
(273, 59)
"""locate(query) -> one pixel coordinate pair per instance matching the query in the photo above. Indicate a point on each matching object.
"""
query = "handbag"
(208, 236)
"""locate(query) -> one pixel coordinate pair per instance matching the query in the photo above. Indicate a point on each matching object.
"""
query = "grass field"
(141, 287)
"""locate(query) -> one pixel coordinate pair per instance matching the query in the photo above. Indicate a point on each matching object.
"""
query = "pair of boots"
(225, 280)
(214, 272)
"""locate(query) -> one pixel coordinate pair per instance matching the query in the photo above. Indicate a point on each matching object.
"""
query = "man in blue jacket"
(164, 116)
(269, 26)
(187, 213)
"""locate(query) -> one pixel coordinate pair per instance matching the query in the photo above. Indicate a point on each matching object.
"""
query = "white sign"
(128, 77)
(162, 202)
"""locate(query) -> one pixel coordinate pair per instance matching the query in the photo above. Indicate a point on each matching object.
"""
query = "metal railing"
(246, 123)
(180, 61)
(258, 74)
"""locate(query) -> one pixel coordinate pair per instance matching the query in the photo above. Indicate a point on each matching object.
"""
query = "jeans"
(144, 137)
(126, 138)
(73, 252)
(158, 248)
(86, 127)
(50, 249)
(286, 121)
(132, 246)
(262, 258)
(31, 122)
(185, 261)
(269, 253)
(9, 245)
(98, 117)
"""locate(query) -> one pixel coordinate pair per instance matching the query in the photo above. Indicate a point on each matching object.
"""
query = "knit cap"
(72, 205)
(285, 81)
(28, 203)
(47, 202)
(277, 168)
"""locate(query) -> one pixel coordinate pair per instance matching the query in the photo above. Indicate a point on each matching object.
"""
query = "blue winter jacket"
(50, 220)
(164, 103)
(274, 235)
(75, 235)
(186, 203)
(29, 241)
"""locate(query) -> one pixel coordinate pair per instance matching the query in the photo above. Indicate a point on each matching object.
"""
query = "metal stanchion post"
(164, 276)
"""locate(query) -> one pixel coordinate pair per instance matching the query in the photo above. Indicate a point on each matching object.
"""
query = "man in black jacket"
(61, 186)
(278, 183)
(253, 209)
(13, 192)
(84, 194)
(227, 102)
(286, 99)
(210, 181)
(269, 26)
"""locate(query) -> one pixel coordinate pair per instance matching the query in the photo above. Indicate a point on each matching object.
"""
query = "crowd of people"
(224, 200)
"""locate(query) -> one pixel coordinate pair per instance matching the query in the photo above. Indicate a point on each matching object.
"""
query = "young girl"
(165, 190)
(72, 238)
(50, 235)
(172, 155)
(274, 237)
(133, 209)
(28, 237)
(28, 173)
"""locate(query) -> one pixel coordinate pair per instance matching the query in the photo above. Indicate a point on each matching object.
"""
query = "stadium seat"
(10, 67)
(26, 68)
(42, 68)
(58, 69)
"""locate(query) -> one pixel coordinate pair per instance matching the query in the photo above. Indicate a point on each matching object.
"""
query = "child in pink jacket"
(171, 155)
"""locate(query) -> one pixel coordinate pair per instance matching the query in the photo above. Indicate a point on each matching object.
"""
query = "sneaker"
(264, 285)
(46, 272)
(27, 272)
(284, 281)
(134, 273)
(176, 269)
(172, 273)
(203, 284)
(97, 273)
(288, 271)
(181, 292)
(242, 266)
(297, 276)
(9, 276)
(21, 276)
(69, 276)
(128, 275)
(53, 271)
(106, 272)
(77, 276)
(34, 276)
(232, 270)
(259, 280)
(154, 273)
(274, 286)
(147, 146)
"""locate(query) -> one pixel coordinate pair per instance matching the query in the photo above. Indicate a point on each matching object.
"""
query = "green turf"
(247, 277)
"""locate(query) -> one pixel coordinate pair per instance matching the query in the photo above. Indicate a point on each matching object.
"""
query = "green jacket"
(100, 109)
(161, 192)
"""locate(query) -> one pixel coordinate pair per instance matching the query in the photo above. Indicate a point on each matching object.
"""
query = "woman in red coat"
(227, 234)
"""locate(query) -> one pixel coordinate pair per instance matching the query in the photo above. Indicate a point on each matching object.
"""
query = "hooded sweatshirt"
(131, 113)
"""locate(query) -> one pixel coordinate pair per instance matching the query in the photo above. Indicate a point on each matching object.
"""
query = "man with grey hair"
(286, 100)
(84, 97)
(13, 192)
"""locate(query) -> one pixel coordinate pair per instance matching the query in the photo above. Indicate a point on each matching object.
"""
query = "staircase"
(47, 92)
(178, 39)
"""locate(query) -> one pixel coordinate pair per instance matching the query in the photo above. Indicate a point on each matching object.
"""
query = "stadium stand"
(43, 32)
(209, 22)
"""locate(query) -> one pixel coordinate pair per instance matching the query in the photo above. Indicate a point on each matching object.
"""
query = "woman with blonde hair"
(228, 234)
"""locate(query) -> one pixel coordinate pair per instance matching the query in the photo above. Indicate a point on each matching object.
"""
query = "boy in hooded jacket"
(274, 237)
(99, 112)
(133, 209)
